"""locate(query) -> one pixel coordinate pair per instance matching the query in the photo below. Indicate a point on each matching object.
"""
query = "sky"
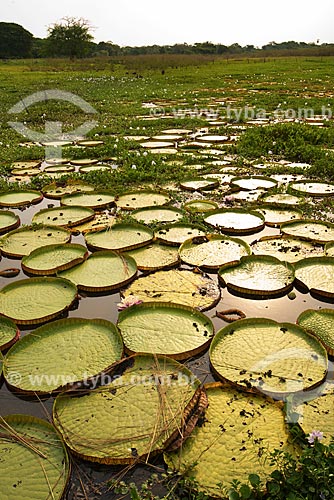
(148, 22)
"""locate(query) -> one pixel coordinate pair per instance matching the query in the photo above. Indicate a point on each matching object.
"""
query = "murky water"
(105, 306)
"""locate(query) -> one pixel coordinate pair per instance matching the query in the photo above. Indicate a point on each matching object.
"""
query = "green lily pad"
(200, 184)
(34, 463)
(287, 248)
(133, 416)
(313, 188)
(258, 275)
(251, 182)
(24, 240)
(36, 300)
(91, 199)
(84, 161)
(8, 221)
(317, 275)
(155, 256)
(192, 289)
(236, 220)
(320, 323)
(9, 333)
(239, 432)
(19, 198)
(93, 168)
(176, 234)
(212, 251)
(102, 271)
(121, 237)
(282, 199)
(276, 358)
(275, 216)
(58, 189)
(30, 172)
(63, 352)
(149, 215)
(140, 199)
(309, 229)
(171, 329)
(200, 206)
(53, 258)
(63, 216)
(59, 169)
(317, 414)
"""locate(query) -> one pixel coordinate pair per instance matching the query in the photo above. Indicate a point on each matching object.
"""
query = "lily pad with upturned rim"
(177, 286)
(199, 184)
(24, 240)
(155, 256)
(317, 275)
(321, 324)
(36, 300)
(19, 198)
(67, 216)
(53, 258)
(236, 220)
(56, 190)
(200, 206)
(312, 188)
(140, 199)
(282, 199)
(34, 462)
(102, 271)
(173, 330)
(275, 358)
(62, 353)
(8, 221)
(213, 250)
(286, 248)
(275, 216)
(131, 418)
(176, 234)
(9, 333)
(317, 414)
(120, 237)
(59, 169)
(310, 229)
(91, 199)
(252, 182)
(148, 215)
(237, 435)
(258, 275)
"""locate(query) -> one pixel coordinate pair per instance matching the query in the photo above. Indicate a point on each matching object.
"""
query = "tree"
(15, 41)
(70, 37)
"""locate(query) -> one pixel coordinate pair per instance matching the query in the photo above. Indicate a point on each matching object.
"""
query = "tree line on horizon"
(71, 37)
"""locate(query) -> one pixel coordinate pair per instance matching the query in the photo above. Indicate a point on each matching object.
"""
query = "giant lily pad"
(163, 328)
(276, 358)
(317, 275)
(59, 169)
(22, 241)
(237, 436)
(278, 215)
(286, 248)
(53, 258)
(8, 221)
(253, 182)
(321, 324)
(91, 199)
(102, 271)
(34, 463)
(282, 199)
(58, 189)
(155, 256)
(317, 414)
(313, 188)
(62, 352)
(213, 250)
(176, 234)
(178, 286)
(149, 215)
(311, 230)
(102, 220)
(63, 216)
(200, 206)
(199, 184)
(19, 198)
(133, 416)
(9, 333)
(258, 275)
(141, 199)
(36, 300)
(120, 237)
(236, 220)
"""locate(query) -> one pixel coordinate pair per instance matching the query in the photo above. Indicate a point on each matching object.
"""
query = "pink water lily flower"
(315, 435)
(126, 302)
